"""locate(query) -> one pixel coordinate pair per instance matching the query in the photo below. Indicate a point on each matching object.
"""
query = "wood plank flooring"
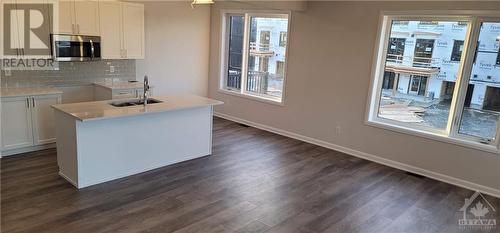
(255, 181)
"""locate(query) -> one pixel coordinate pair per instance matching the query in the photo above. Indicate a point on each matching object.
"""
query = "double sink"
(134, 102)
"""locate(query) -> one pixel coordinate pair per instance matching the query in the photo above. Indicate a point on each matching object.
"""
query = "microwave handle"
(92, 52)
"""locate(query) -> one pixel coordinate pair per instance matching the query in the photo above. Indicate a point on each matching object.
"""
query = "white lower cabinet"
(27, 121)
(16, 123)
(42, 116)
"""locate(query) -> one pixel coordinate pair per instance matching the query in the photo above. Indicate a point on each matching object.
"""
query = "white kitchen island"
(98, 142)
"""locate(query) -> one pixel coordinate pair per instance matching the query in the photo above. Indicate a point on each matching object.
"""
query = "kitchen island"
(98, 142)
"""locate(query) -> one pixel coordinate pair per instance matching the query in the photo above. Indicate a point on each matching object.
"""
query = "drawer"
(123, 94)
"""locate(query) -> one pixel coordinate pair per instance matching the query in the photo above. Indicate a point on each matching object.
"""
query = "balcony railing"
(257, 82)
(264, 83)
(234, 78)
(413, 61)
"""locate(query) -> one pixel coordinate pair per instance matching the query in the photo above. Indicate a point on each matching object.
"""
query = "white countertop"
(88, 111)
(27, 91)
(120, 85)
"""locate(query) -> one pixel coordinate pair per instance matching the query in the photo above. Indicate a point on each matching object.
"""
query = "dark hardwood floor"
(255, 181)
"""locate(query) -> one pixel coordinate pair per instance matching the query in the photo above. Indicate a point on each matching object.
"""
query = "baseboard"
(68, 179)
(27, 149)
(377, 159)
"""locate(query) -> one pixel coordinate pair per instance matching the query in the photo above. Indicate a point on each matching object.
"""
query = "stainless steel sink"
(135, 102)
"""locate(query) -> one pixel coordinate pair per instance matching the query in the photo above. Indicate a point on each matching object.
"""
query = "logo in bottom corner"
(478, 213)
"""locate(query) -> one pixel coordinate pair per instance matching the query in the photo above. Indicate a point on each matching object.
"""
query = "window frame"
(224, 54)
(451, 133)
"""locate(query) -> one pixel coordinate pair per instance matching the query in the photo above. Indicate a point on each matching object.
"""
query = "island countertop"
(98, 110)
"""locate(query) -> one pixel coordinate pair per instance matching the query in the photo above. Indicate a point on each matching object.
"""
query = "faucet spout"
(145, 91)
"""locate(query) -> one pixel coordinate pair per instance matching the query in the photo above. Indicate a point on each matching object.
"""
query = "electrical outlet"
(111, 69)
(338, 130)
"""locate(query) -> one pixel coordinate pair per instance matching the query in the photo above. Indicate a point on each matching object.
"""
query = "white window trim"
(450, 134)
(225, 50)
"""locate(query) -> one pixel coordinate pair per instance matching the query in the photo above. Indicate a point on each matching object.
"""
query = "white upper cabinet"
(80, 17)
(133, 30)
(87, 17)
(122, 30)
(21, 23)
(111, 33)
(66, 18)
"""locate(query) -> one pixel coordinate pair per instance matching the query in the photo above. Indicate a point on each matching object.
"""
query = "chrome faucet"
(146, 89)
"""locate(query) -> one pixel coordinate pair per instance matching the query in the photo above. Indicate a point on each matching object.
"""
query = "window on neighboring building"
(249, 68)
(396, 49)
(498, 55)
(280, 68)
(415, 94)
(283, 37)
(423, 52)
(456, 52)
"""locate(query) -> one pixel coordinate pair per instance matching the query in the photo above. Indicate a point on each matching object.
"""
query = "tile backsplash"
(72, 73)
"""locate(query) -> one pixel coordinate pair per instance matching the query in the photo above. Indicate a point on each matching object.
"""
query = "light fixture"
(201, 2)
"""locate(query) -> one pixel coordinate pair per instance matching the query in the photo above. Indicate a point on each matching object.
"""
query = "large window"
(255, 54)
(417, 89)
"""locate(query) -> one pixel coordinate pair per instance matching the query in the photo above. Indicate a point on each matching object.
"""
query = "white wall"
(177, 47)
(329, 66)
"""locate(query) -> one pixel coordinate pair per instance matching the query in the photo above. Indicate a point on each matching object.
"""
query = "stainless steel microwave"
(75, 47)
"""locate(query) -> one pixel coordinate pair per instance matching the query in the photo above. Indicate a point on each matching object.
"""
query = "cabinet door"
(66, 18)
(124, 94)
(110, 25)
(16, 123)
(41, 40)
(133, 30)
(43, 118)
(16, 33)
(87, 17)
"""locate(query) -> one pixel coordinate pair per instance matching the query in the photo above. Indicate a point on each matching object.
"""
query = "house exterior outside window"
(433, 80)
(253, 43)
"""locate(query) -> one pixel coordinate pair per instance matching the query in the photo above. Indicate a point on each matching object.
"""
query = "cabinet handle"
(33, 102)
(27, 103)
(78, 28)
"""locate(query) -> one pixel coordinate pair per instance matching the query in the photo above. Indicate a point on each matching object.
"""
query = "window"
(456, 52)
(498, 55)
(255, 54)
(283, 36)
(423, 52)
(417, 90)
(235, 52)
(280, 68)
